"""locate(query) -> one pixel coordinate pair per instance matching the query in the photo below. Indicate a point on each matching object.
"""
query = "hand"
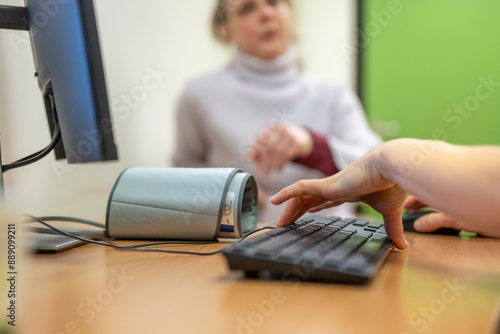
(278, 145)
(431, 221)
(362, 181)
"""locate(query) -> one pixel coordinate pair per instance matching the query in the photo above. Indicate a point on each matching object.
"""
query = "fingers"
(282, 155)
(263, 150)
(303, 187)
(413, 203)
(252, 154)
(433, 221)
(296, 208)
(394, 228)
(277, 145)
(255, 154)
(292, 210)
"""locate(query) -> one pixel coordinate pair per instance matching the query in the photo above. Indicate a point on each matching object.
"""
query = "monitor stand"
(13, 18)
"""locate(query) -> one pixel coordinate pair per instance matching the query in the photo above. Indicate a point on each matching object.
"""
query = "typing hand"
(363, 181)
(432, 221)
(278, 145)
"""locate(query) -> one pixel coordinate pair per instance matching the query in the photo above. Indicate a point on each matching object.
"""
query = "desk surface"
(442, 284)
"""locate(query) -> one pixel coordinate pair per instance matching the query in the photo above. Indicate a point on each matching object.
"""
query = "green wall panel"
(425, 64)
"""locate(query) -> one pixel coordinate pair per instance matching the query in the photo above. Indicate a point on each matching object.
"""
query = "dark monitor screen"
(70, 75)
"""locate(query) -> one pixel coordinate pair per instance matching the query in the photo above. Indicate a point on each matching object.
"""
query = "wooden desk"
(93, 289)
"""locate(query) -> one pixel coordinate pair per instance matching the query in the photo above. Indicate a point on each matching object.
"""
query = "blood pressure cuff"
(182, 204)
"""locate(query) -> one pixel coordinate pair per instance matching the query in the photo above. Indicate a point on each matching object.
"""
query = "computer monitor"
(68, 65)
(69, 70)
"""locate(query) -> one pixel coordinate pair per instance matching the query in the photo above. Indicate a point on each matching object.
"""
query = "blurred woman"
(261, 114)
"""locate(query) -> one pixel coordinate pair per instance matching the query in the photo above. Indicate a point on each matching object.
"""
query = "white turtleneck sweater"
(220, 114)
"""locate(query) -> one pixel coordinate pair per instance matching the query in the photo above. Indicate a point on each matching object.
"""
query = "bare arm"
(462, 182)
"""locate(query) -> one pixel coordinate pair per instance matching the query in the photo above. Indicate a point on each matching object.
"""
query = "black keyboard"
(330, 249)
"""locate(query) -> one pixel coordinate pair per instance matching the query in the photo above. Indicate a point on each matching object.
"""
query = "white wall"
(169, 35)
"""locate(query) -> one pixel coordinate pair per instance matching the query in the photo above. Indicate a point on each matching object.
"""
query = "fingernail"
(407, 244)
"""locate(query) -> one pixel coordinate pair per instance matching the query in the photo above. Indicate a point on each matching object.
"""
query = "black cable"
(34, 157)
(135, 247)
(31, 156)
(37, 155)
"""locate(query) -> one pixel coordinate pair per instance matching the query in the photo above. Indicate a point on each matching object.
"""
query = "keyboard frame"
(289, 271)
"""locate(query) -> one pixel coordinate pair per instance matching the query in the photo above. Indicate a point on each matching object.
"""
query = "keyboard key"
(371, 247)
(381, 237)
(375, 225)
(365, 234)
(355, 240)
(335, 258)
(301, 232)
(319, 250)
(334, 242)
(342, 234)
(349, 230)
(365, 254)
(324, 232)
(332, 229)
(360, 222)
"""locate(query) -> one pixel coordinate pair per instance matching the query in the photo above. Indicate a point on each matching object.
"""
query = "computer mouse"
(410, 216)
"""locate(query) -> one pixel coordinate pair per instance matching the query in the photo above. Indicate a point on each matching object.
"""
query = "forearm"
(462, 182)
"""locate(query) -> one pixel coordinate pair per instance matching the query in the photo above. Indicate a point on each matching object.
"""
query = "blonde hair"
(220, 17)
